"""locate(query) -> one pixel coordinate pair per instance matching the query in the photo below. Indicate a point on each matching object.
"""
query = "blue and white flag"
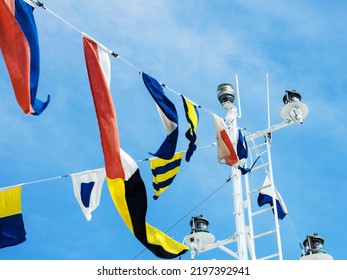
(266, 196)
(87, 189)
(168, 114)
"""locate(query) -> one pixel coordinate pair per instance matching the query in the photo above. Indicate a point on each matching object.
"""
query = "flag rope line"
(116, 55)
(68, 175)
(35, 182)
(190, 211)
(199, 148)
(42, 5)
(296, 235)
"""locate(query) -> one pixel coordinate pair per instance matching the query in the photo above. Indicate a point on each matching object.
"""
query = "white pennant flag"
(87, 189)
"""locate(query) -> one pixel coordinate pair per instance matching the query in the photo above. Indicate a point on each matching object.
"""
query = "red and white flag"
(226, 151)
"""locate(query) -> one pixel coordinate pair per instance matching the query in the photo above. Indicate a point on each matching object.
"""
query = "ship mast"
(200, 240)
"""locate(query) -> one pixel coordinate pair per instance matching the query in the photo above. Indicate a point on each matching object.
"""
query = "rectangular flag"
(20, 49)
(12, 231)
(192, 116)
(225, 150)
(122, 174)
(164, 172)
(168, 114)
(87, 188)
(266, 195)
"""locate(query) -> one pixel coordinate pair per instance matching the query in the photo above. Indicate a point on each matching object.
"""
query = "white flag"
(87, 189)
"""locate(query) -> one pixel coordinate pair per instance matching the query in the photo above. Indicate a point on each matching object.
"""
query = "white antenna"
(268, 100)
(238, 96)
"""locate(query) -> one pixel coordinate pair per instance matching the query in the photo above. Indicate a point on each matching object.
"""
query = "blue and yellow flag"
(12, 230)
(168, 115)
(164, 172)
(192, 116)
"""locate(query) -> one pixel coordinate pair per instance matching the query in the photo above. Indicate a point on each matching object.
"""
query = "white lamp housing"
(314, 248)
(293, 109)
(199, 236)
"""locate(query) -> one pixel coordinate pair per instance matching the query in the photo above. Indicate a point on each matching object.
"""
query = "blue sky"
(192, 47)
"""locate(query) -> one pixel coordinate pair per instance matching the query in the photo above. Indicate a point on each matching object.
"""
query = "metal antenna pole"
(268, 100)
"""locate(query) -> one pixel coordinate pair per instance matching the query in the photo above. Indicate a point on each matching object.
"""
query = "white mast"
(293, 111)
(231, 119)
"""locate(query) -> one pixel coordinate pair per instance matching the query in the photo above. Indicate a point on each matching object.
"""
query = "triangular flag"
(87, 188)
(192, 116)
(130, 197)
(168, 114)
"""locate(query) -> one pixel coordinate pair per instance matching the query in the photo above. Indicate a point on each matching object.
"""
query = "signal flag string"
(115, 55)
(68, 175)
(112, 53)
